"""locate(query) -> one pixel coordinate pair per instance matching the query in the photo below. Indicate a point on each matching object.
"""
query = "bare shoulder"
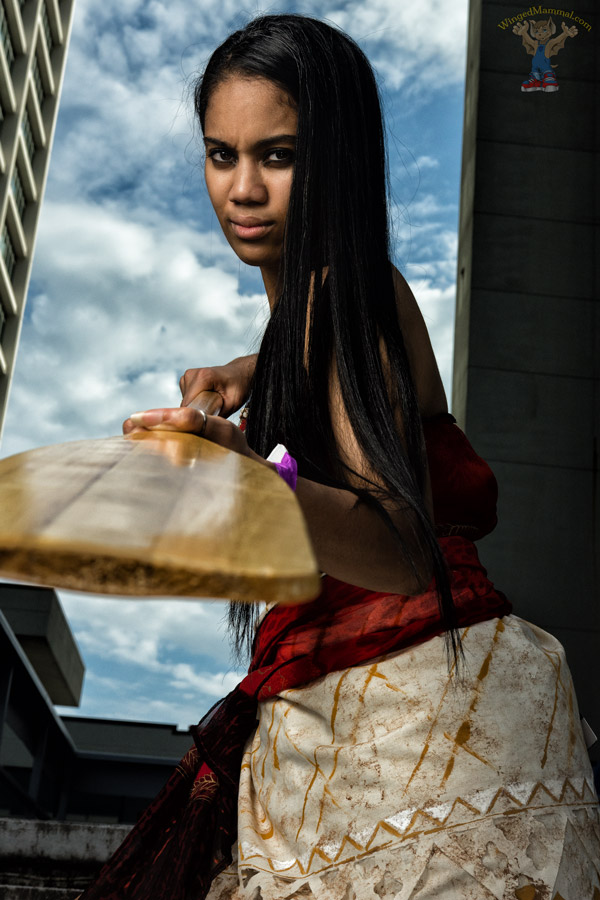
(428, 383)
(426, 375)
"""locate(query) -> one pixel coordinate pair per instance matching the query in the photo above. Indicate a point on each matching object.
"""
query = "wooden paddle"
(154, 513)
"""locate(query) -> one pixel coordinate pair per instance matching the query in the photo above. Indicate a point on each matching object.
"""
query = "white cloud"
(138, 702)
(427, 207)
(417, 47)
(128, 306)
(142, 631)
(427, 162)
(215, 684)
(139, 651)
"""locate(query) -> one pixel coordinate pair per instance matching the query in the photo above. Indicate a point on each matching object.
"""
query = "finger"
(129, 428)
(180, 419)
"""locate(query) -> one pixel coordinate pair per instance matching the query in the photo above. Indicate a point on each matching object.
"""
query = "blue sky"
(133, 282)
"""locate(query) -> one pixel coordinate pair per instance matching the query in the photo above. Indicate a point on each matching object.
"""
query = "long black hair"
(337, 222)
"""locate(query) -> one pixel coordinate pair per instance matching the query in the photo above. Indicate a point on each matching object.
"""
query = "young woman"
(414, 739)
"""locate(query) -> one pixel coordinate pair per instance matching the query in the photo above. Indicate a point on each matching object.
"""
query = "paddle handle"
(209, 401)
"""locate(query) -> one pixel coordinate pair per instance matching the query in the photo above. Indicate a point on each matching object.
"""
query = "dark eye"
(220, 155)
(280, 155)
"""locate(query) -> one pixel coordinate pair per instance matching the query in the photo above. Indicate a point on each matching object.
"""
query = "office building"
(34, 35)
(526, 374)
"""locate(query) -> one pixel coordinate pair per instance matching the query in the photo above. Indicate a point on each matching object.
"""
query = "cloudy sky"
(133, 283)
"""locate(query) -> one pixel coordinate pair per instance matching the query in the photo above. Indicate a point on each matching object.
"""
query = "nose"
(247, 185)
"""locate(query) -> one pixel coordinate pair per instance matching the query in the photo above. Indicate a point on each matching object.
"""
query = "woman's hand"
(192, 421)
(231, 381)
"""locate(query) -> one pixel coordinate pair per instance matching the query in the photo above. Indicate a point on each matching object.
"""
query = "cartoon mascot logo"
(539, 43)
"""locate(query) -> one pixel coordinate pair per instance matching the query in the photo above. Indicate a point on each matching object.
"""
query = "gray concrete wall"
(52, 860)
(528, 323)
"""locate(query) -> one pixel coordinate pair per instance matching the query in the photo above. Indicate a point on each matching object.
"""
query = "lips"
(250, 228)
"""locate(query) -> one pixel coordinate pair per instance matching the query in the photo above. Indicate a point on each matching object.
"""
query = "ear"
(532, 23)
(553, 25)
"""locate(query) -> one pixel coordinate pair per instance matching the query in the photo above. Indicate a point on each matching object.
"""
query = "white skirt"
(394, 780)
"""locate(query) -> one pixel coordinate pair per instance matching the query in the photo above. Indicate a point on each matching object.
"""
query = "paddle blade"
(158, 513)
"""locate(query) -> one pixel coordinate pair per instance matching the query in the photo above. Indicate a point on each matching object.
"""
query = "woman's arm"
(353, 543)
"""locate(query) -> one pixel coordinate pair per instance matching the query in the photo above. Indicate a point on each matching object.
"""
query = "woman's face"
(249, 135)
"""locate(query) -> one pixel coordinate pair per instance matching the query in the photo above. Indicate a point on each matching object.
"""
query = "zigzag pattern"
(446, 870)
(422, 821)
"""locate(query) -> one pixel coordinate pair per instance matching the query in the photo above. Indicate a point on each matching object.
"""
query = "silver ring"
(205, 420)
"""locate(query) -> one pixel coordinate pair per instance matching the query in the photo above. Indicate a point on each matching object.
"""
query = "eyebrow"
(259, 145)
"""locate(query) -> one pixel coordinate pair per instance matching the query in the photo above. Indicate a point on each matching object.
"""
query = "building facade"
(34, 36)
(527, 346)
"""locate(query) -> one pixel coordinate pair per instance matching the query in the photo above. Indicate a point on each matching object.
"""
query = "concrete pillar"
(528, 320)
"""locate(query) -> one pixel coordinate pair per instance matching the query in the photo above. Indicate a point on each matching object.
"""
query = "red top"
(465, 491)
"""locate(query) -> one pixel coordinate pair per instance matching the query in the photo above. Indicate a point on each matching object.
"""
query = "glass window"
(8, 252)
(37, 81)
(6, 38)
(3, 318)
(28, 135)
(46, 27)
(16, 186)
